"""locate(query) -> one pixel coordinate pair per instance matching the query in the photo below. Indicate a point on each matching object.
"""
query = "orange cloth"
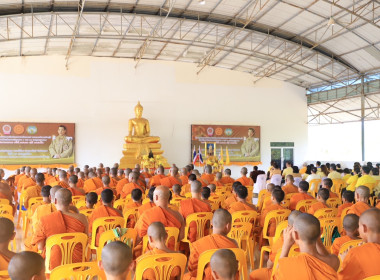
(75, 192)
(27, 183)
(34, 191)
(62, 184)
(80, 183)
(231, 199)
(17, 178)
(213, 241)
(240, 206)
(338, 242)
(378, 205)
(146, 175)
(333, 195)
(316, 206)
(272, 222)
(358, 208)
(227, 180)
(361, 262)
(120, 185)
(185, 189)
(128, 188)
(342, 207)
(20, 181)
(51, 180)
(304, 267)
(190, 206)
(92, 184)
(99, 191)
(156, 180)
(101, 212)
(113, 183)
(41, 211)
(145, 207)
(289, 188)
(56, 223)
(184, 179)
(297, 198)
(131, 219)
(4, 261)
(207, 178)
(170, 181)
(245, 181)
(217, 183)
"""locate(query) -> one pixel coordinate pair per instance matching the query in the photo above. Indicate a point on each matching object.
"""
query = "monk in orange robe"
(193, 205)
(176, 189)
(322, 197)
(348, 197)
(120, 174)
(363, 261)
(117, 260)
(73, 188)
(207, 177)
(218, 180)
(120, 185)
(22, 173)
(301, 195)
(113, 177)
(61, 221)
(232, 197)
(266, 197)
(156, 179)
(160, 213)
(171, 180)
(7, 234)
(34, 191)
(241, 204)
(277, 197)
(187, 187)
(23, 177)
(146, 173)
(226, 179)
(106, 181)
(6, 193)
(184, 176)
(328, 184)
(244, 180)
(224, 265)
(81, 179)
(351, 228)
(289, 187)
(127, 189)
(29, 181)
(221, 221)
(92, 183)
(63, 181)
(361, 197)
(136, 196)
(148, 205)
(314, 261)
(106, 210)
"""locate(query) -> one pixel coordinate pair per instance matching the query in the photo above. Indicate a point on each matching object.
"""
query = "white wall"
(99, 95)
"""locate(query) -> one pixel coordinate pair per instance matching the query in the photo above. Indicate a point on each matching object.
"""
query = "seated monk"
(244, 180)
(322, 197)
(117, 260)
(171, 180)
(348, 199)
(205, 195)
(207, 177)
(61, 221)
(127, 189)
(212, 188)
(27, 266)
(265, 202)
(232, 197)
(91, 200)
(120, 175)
(146, 174)
(193, 205)
(226, 179)
(314, 261)
(218, 180)
(7, 234)
(177, 191)
(265, 273)
(328, 184)
(302, 194)
(289, 186)
(75, 191)
(25, 175)
(136, 196)
(113, 177)
(35, 190)
(277, 197)
(92, 183)
(122, 182)
(221, 222)
(150, 204)
(157, 237)
(81, 179)
(106, 180)
(45, 194)
(363, 261)
(241, 204)
(187, 187)
(351, 227)
(141, 180)
(224, 265)
(20, 175)
(63, 181)
(106, 210)
(184, 176)
(361, 197)
(156, 179)
(30, 180)
(160, 213)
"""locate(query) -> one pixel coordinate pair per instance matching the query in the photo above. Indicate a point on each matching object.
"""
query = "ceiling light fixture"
(331, 22)
(201, 2)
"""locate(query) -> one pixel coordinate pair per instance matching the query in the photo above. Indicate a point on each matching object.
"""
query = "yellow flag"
(227, 157)
(221, 155)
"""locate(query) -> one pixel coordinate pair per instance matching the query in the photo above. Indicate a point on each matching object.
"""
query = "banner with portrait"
(36, 143)
(236, 144)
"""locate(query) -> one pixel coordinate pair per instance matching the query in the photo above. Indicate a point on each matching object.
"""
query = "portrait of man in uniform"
(250, 146)
(62, 145)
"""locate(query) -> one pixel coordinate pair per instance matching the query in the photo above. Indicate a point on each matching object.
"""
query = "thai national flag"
(195, 156)
(200, 155)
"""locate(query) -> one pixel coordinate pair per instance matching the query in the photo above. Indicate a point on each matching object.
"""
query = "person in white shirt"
(313, 175)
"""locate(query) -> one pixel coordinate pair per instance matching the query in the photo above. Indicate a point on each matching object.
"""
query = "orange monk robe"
(156, 180)
(231, 199)
(290, 188)
(185, 189)
(227, 180)
(27, 183)
(358, 208)
(297, 198)
(304, 267)
(333, 195)
(240, 206)
(92, 184)
(272, 222)
(34, 191)
(99, 191)
(101, 212)
(51, 180)
(342, 207)
(145, 207)
(56, 223)
(170, 181)
(217, 183)
(361, 262)
(146, 175)
(17, 178)
(120, 185)
(4, 261)
(80, 183)
(378, 205)
(245, 181)
(184, 179)
(207, 178)
(338, 242)
(35, 205)
(62, 184)
(20, 181)
(41, 211)
(316, 206)
(209, 242)
(131, 222)
(190, 206)
(128, 188)
(113, 183)
(75, 192)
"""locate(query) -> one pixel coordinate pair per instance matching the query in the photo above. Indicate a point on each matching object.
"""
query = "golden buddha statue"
(139, 143)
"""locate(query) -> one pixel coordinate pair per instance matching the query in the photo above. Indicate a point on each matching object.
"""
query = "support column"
(362, 116)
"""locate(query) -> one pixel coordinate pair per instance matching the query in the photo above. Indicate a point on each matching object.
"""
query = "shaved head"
(292, 217)
(270, 187)
(161, 193)
(62, 174)
(244, 171)
(7, 229)
(134, 176)
(196, 186)
(53, 191)
(224, 264)
(25, 265)
(362, 192)
(40, 178)
(63, 197)
(218, 175)
(371, 219)
(351, 222)
(221, 218)
(212, 187)
(176, 188)
(106, 180)
(157, 231)
(160, 170)
(174, 171)
(33, 171)
(116, 258)
(308, 228)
